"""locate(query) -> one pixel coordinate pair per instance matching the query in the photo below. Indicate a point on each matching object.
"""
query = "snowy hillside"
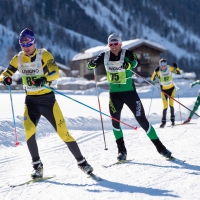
(67, 28)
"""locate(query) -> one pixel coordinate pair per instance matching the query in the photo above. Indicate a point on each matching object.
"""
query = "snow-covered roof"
(90, 53)
(138, 42)
(95, 51)
(62, 66)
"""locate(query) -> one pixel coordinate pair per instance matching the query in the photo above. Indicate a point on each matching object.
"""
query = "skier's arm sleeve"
(196, 82)
(50, 68)
(131, 58)
(99, 60)
(135, 63)
(175, 70)
(11, 69)
(154, 75)
(178, 71)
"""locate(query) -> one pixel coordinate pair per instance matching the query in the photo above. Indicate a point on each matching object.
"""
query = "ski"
(94, 177)
(181, 124)
(176, 160)
(117, 163)
(32, 181)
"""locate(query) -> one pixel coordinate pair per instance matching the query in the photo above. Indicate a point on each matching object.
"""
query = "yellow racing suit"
(40, 101)
(167, 87)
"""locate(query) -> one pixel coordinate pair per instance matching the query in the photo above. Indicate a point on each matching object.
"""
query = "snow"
(148, 176)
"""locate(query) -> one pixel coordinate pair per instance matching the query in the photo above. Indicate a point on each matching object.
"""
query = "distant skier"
(118, 64)
(196, 105)
(38, 68)
(164, 75)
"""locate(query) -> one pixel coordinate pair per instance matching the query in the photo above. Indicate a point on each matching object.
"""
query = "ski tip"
(173, 159)
(117, 163)
(31, 181)
(95, 177)
(12, 186)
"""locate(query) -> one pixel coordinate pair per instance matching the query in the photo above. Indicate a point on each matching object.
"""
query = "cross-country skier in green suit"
(118, 63)
(196, 105)
(36, 67)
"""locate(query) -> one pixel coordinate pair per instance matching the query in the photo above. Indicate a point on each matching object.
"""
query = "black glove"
(92, 63)
(126, 65)
(157, 69)
(175, 65)
(39, 82)
(7, 80)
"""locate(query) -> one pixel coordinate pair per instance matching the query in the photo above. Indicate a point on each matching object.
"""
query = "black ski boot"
(172, 118)
(162, 124)
(164, 118)
(187, 121)
(84, 166)
(166, 153)
(161, 148)
(38, 169)
(121, 156)
(173, 122)
(122, 153)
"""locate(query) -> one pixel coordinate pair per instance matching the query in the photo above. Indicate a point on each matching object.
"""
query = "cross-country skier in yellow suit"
(38, 68)
(164, 75)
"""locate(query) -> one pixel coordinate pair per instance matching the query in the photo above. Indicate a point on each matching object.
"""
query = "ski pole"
(150, 102)
(163, 92)
(56, 91)
(180, 109)
(178, 100)
(100, 109)
(15, 130)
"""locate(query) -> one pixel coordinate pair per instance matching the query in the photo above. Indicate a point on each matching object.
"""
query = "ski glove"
(7, 80)
(175, 65)
(39, 82)
(157, 69)
(126, 65)
(91, 64)
(194, 83)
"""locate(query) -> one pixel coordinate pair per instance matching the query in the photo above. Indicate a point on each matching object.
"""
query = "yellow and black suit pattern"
(169, 89)
(41, 102)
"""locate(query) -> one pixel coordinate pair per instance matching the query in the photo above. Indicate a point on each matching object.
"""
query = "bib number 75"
(115, 77)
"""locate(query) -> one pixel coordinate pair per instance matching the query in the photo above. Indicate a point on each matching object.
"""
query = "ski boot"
(162, 124)
(121, 156)
(84, 166)
(173, 124)
(166, 153)
(187, 121)
(38, 169)
(122, 153)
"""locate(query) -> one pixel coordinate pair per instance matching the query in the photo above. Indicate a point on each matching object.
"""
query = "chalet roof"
(62, 66)
(129, 44)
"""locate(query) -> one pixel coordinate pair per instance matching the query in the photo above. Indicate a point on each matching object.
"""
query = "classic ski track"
(62, 145)
(86, 184)
(70, 162)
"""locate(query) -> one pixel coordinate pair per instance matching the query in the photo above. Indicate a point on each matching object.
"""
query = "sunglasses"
(113, 44)
(27, 44)
(163, 64)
